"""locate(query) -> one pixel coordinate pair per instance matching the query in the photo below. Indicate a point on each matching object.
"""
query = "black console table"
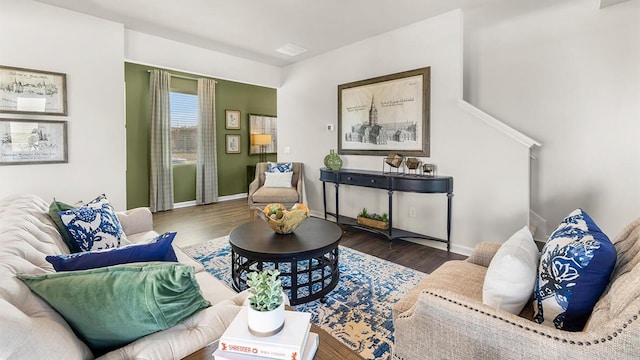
(390, 182)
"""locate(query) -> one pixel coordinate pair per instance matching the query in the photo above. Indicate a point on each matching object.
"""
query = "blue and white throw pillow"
(575, 267)
(283, 167)
(159, 249)
(94, 226)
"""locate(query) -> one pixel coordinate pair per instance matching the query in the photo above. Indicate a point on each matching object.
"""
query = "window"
(184, 128)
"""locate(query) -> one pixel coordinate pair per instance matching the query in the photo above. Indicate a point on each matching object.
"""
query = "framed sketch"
(26, 91)
(232, 144)
(385, 114)
(232, 118)
(263, 125)
(32, 142)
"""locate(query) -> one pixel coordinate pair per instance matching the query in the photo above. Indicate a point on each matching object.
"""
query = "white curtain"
(207, 168)
(161, 182)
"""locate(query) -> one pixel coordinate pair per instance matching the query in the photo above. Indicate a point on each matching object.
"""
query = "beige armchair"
(443, 317)
(259, 196)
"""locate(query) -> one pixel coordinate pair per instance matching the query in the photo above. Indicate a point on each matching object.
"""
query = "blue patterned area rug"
(357, 311)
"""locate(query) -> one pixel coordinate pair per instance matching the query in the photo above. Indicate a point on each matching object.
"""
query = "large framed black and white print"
(385, 114)
(27, 91)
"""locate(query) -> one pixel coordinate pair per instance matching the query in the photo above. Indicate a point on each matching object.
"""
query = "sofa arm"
(445, 325)
(136, 220)
(483, 253)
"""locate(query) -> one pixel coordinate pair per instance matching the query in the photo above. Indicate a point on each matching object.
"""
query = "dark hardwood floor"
(199, 223)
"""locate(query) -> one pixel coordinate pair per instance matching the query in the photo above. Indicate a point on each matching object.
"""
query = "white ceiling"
(253, 29)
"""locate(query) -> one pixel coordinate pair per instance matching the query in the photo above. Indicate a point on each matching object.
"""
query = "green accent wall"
(232, 168)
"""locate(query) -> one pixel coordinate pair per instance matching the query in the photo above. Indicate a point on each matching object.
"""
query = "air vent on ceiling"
(291, 49)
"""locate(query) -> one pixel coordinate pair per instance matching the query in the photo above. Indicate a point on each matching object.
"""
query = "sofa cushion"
(512, 273)
(159, 249)
(94, 226)
(462, 277)
(281, 167)
(112, 306)
(277, 180)
(275, 195)
(575, 267)
(54, 212)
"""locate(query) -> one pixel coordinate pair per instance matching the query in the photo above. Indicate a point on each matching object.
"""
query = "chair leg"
(252, 214)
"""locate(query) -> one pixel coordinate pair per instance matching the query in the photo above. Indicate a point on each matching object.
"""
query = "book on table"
(288, 344)
(313, 341)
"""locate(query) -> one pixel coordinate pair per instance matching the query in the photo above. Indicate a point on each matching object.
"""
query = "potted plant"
(266, 303)
(373, 220)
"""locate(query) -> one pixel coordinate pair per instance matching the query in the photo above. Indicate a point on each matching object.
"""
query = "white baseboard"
(184, 204)
(220, 199)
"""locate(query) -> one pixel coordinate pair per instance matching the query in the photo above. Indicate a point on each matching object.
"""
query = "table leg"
(390, 192)
(324, 199)
(449, 200)
(337, 204)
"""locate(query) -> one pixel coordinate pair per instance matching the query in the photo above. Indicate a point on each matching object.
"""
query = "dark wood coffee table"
(329, 348)
(307, 258)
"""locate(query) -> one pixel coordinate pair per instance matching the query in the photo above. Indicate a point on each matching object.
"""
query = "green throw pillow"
(112, 306)
(54, 208)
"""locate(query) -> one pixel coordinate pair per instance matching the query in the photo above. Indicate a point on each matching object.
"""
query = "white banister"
(499, 125)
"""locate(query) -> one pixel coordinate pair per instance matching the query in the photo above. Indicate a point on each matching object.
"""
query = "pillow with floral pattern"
(94, 226)
(575, 266)
(281, 167)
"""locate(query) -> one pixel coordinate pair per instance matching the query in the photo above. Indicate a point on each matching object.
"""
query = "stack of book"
(293, 342)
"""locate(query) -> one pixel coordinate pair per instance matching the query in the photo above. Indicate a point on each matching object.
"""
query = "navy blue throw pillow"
(158, 250)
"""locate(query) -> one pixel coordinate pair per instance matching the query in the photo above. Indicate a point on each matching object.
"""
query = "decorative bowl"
(283, 220)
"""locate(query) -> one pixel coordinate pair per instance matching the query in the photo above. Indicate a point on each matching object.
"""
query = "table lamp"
(263, 140)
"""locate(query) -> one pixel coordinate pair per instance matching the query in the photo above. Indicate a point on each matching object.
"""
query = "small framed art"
(232, 144)
(232, 119)
(26, 91)
(24, 142)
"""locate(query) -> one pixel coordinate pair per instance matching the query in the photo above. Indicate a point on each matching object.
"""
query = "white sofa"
(31, 329)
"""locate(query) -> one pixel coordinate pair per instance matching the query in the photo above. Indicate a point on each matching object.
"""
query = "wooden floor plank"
(200, 223)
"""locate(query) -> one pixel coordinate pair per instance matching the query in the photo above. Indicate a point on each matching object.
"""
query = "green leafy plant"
(266, 290)
(384, 217)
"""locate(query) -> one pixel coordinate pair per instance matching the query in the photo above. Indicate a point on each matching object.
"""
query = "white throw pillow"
(277, 180)
(511, 275)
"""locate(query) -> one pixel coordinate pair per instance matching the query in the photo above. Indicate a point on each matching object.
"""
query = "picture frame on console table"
(27, 91)
(25, 142)
(386, 114)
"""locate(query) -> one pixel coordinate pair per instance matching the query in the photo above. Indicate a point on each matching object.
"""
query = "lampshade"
(261, 139)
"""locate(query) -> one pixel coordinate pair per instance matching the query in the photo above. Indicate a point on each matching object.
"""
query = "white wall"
(490, 170)
(152, 50)
(90, 51)
(567, 74)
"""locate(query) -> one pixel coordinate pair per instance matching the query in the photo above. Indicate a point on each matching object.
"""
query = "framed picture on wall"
(262, 127)
(26, 91)
(385, 114)
(232, 144)
(25, 142)
(232, 119)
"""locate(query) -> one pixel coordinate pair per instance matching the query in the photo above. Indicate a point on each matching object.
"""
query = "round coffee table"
(307, 258)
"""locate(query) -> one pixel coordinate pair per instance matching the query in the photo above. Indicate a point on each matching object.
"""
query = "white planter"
(265, 323)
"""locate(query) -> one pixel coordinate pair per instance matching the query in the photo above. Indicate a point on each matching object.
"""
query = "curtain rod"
(182, 76)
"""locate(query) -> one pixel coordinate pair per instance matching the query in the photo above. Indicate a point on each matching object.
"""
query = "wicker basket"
(376, 224)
